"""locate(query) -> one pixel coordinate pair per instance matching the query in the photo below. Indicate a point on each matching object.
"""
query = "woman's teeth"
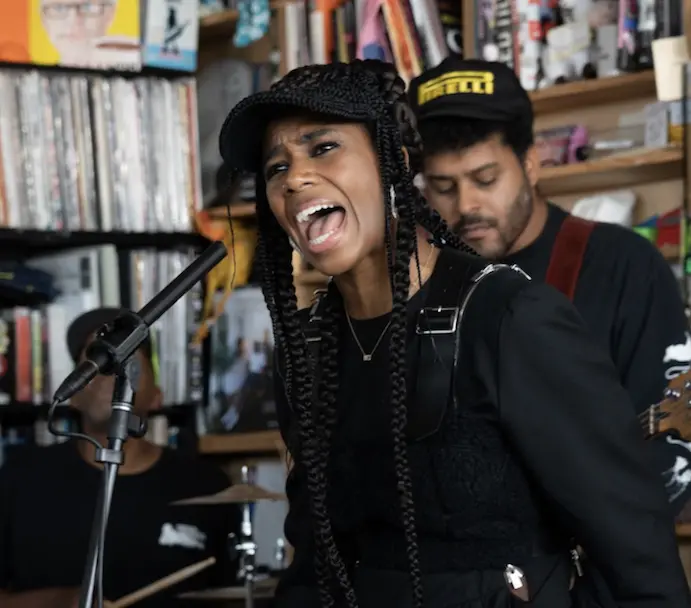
(321, 238)
(305, 214)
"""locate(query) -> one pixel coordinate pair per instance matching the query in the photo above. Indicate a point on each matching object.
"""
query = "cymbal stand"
(246, 548)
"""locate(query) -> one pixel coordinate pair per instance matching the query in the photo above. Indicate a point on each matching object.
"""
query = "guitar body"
(673, 413)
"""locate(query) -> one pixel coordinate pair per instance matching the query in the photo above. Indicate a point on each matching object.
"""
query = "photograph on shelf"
(241, 395)
(94, 34)
(170, 34)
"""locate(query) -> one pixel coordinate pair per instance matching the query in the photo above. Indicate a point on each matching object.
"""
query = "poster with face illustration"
(94, 34)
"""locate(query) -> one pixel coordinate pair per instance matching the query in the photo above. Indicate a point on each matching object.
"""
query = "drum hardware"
(263, 590)
(242, 546)
(280, 554)
(246, 548)
(237, 494)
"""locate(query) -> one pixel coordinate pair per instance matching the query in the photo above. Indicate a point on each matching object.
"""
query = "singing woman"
(453, 428)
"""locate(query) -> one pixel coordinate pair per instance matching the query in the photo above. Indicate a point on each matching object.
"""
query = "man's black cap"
(470, 88)
(84, 326)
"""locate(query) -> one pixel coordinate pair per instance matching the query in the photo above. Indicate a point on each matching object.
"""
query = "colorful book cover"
(14, 32)
(94, 34)
(171, 34)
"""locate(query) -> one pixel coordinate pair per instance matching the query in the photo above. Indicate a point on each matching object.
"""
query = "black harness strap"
(432, 386)
(441, 325)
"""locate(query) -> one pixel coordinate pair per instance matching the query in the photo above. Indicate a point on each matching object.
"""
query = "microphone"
(118, 340)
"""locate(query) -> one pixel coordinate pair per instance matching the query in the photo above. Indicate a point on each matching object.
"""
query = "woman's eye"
(485, 183)
(273, 170)
(323, 148)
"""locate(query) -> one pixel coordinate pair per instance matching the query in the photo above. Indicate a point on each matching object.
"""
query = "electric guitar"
(673, 413)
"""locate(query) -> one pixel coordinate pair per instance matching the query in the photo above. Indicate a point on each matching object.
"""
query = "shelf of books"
(593, 92)
(621, 170)
(99, 186)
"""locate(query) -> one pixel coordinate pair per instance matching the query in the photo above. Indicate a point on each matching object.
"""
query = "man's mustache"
(471, 222)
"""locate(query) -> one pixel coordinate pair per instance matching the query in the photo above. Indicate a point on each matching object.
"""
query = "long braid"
(332, 312)
(404, 245)
(412, 208)
(314, 428)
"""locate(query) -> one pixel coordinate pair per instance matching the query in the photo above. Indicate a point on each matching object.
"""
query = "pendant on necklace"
(366, 357)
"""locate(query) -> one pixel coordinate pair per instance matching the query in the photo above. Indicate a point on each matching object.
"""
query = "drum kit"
(243, 547)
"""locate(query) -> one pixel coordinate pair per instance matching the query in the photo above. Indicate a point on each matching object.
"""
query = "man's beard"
(520, 211)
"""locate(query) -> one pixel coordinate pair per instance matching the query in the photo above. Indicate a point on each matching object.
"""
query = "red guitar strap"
(567, 254)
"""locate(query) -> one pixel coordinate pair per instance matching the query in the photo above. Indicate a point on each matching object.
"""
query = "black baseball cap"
(85, 325)
(331, 90)
(470, 88)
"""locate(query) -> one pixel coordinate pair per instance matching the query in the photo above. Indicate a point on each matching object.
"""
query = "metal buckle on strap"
(312, 329)
(435, 321)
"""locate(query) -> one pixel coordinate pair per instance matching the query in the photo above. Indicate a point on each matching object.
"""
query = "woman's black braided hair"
(392, 128)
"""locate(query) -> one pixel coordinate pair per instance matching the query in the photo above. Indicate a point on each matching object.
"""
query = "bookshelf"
(48, 239)
(595, 92)
(615, 171)
(222, 23)
(79, 204)
(236, 210)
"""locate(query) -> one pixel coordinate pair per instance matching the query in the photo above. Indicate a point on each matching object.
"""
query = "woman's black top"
(542, 444)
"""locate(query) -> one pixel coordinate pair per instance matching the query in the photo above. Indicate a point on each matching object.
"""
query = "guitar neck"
(650, 420)
(673, 412)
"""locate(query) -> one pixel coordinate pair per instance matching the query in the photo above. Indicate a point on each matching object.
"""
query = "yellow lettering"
(480, 83)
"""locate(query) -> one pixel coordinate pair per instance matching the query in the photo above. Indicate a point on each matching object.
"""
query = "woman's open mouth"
(321, 225)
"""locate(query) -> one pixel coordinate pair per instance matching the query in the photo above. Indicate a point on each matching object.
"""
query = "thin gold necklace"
(367, 356)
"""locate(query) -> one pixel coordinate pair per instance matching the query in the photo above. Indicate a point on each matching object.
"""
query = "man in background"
(47, 502)
(481, 171)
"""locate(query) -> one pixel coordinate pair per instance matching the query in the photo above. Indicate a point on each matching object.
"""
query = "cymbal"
(234, 494)
(263, 589)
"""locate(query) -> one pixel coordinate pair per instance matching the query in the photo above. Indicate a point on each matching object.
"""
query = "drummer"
(47, 504)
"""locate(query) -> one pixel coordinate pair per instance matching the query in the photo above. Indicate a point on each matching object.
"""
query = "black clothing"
(47, 501)
(542, 437)
(470, 89)
(630, 301)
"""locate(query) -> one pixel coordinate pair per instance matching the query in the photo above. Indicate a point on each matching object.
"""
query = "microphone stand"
(122, 425)
(111, 354)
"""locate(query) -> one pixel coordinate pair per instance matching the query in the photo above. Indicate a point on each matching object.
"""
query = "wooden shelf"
(222, 23)
(617, 171)
(21, 239)
(598, 91)
(261, 442)
(237, 210)
(218, 24)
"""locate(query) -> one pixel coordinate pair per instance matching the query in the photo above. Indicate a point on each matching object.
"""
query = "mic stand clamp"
(122, 425)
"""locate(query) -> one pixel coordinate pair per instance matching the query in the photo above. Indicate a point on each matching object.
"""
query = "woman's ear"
(406, 156)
